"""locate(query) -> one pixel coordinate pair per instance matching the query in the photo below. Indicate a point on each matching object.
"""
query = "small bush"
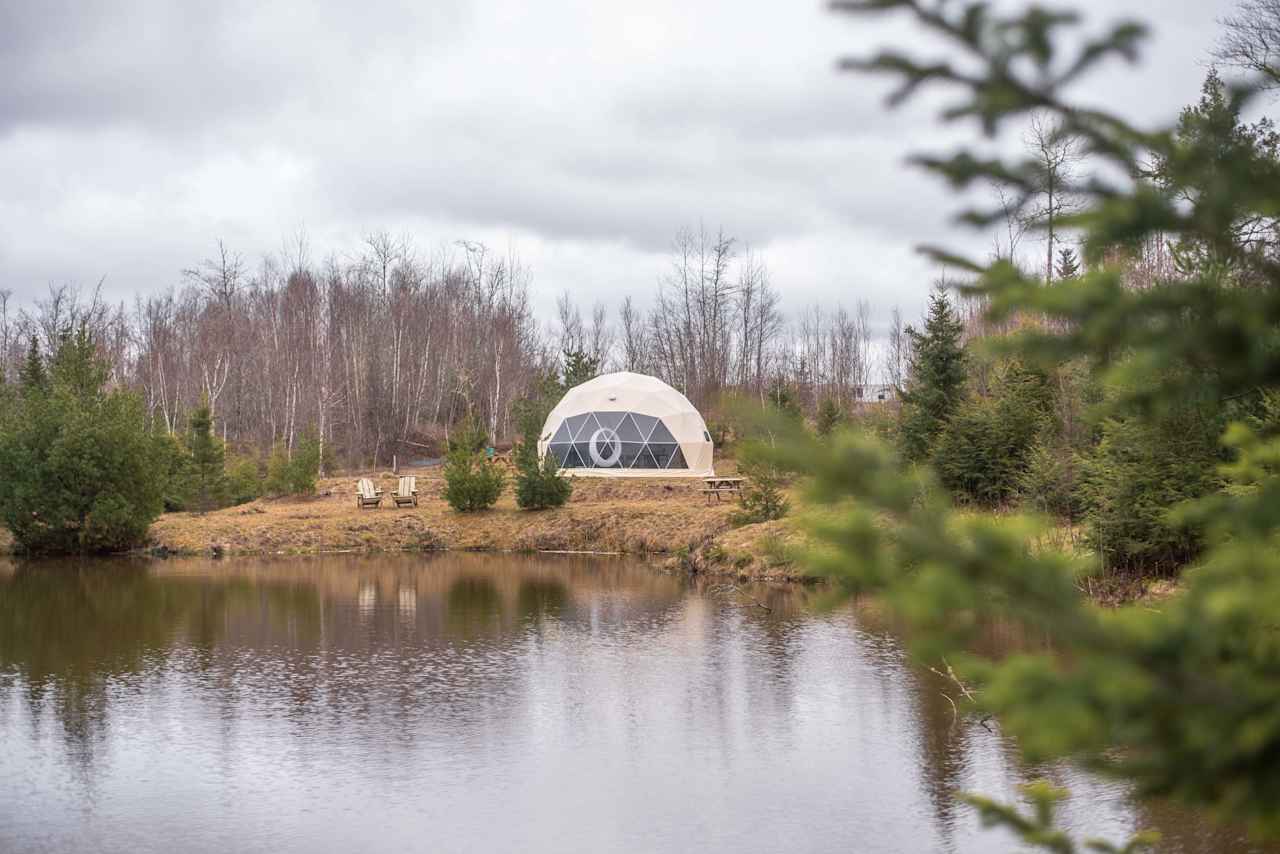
(762, 496)
(982, 452)
(539, 485)
(1140, 472)
(244, 483)
(174, 462)
(471, 482)
(293, 474)
(830, 416)
(1050, 482)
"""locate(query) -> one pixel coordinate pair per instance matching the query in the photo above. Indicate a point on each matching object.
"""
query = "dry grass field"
(667, 519)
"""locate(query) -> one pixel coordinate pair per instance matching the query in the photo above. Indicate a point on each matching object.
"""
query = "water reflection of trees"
(392, 653)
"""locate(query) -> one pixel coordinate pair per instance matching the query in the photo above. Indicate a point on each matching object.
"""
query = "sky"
(582, 134)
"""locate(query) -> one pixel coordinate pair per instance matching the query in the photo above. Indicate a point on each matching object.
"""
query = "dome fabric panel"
(627, 425)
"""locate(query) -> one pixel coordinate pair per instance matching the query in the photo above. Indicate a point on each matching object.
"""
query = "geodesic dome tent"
(627, 425)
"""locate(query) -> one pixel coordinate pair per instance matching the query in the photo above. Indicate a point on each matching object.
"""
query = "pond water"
(485, 703)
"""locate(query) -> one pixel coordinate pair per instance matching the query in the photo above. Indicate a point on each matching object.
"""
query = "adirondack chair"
(367, 495)
(406, 493)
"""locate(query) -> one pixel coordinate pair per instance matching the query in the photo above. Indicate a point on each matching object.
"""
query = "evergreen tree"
(578, 368)
(471, 481)
(1213, 143)
(32, 376)
(539, 484)
(983, 452)
(763, 499)
(208, 475)
(79, 470)
(937, 381)
(1068, 266)
(783, 399)
(830, 416)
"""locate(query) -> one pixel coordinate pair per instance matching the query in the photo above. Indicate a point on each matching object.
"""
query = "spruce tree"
(208, 475)
(1068, 266)
(32, 376)
(936, 386)
(79, 470)
(578, 368)
(829, 417)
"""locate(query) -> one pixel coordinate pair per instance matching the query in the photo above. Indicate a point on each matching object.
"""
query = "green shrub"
(244, 483)
(982, 452)
(539, 484)
(762, 496)
(830, 416)
(1050, 481)
(1137, 475)
(293, 474)
(79, 470)
(174, 462)
(471, 482)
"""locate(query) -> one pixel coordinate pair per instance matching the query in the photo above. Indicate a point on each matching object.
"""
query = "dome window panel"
(677, 460)
(662, 452)
(645, 423)
(630, 450)
(610, 420)
(572, 460)
(645, 460)
(574, 423)
(562, 435)
(661, 434)
(628, 431)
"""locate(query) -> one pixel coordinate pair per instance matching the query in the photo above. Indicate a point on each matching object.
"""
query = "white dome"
(627, 425)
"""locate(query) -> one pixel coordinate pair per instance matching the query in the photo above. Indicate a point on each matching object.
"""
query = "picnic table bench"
(719, 486)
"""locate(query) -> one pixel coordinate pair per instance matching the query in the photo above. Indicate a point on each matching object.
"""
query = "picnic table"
(719, 486)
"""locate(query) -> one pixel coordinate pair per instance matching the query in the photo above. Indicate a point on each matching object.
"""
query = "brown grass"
(643, 516)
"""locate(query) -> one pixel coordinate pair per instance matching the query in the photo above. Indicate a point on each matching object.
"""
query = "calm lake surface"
(485, 703)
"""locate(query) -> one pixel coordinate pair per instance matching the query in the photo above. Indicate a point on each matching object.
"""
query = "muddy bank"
(667, 520)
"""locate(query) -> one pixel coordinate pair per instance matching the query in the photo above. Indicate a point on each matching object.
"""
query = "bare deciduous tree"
(1251, 40)
(1056, 156)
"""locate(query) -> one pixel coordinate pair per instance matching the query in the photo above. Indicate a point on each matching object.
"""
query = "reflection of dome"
(625, 424)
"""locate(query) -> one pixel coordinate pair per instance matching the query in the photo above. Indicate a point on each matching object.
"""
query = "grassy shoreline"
(668, 521)
(665, 521)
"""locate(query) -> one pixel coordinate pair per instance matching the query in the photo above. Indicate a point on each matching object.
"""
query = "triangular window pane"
(575, 424)
(661, 434)
(583, 450)
(645, 423)
(645, 460)
(559, 452)
(588, 429)
(662, 452)
(630, 450)
(677, 462)
(610, 419)
(563, 434)
(628, 431)
(573, 461)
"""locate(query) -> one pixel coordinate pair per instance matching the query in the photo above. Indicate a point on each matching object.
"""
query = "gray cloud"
(134, 135)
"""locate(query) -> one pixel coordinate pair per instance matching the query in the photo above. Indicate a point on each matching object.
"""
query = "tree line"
(384, 353)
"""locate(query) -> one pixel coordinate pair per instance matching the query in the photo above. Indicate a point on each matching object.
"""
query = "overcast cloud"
(581, 132)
